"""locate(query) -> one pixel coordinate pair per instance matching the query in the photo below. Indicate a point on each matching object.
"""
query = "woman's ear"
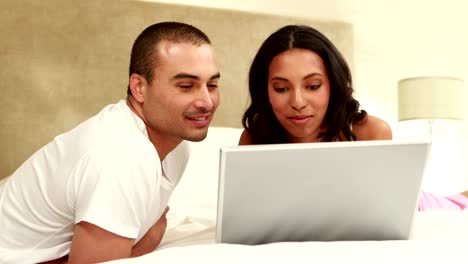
(137, 85)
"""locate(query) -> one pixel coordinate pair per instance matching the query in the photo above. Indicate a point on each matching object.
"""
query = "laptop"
(361, 190)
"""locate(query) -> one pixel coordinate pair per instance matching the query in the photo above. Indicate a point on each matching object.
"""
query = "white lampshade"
(430, 98)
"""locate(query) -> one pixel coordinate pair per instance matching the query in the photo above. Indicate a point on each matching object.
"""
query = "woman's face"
(299, 91)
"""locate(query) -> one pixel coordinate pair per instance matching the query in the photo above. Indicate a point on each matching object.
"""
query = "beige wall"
(395, 40)
(62, 61)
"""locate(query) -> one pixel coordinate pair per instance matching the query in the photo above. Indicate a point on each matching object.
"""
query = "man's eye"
(213, 85)
(185, 86)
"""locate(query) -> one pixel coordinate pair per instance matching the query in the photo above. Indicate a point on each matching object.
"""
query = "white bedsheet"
(437, 237)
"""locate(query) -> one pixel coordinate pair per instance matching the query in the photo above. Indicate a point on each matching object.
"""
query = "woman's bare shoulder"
(372, 128)
(245, 138)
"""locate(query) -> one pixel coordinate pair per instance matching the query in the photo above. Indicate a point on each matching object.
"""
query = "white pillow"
(198, 187)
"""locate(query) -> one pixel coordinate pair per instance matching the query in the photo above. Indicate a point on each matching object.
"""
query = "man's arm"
(91, 244)
(151, 240)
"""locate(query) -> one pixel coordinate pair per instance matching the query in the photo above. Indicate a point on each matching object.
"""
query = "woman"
(301, 91)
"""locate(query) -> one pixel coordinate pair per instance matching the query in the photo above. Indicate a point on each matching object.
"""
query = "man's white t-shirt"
(105, 172)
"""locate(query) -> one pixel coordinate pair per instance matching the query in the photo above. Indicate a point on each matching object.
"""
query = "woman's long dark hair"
(343, 110)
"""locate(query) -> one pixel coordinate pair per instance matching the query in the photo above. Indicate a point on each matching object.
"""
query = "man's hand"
(152, 238)
(465, 193)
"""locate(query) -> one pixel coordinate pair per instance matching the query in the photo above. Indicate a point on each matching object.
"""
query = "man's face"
(183, 95)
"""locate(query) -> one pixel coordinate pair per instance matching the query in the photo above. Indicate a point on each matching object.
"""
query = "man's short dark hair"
(142, 59)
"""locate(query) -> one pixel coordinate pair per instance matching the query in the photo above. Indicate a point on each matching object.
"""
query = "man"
(99, 192)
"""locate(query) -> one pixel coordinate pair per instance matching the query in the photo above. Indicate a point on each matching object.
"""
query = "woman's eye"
(280, 89)
(314, 86)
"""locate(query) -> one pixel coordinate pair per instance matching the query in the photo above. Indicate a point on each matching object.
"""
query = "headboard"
(63, 61)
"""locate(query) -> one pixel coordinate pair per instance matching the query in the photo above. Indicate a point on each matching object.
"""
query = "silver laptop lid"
(363, 190)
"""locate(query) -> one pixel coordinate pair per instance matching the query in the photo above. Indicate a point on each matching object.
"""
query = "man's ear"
(137, 85)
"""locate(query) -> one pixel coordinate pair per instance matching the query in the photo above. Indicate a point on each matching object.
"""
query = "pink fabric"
(454, 202)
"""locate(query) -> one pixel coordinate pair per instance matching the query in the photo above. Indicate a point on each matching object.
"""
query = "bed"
(438, 236)
(66, 60)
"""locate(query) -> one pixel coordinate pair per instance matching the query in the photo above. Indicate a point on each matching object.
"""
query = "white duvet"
(437, 237)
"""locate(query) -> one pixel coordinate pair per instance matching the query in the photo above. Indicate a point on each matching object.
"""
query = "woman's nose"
(297, 101)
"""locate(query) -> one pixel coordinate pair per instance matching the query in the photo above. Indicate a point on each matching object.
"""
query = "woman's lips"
(299, 119)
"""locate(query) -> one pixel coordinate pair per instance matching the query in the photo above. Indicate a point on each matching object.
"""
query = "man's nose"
(204, 99)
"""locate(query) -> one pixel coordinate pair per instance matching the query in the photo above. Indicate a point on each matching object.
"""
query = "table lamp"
(430, 98)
